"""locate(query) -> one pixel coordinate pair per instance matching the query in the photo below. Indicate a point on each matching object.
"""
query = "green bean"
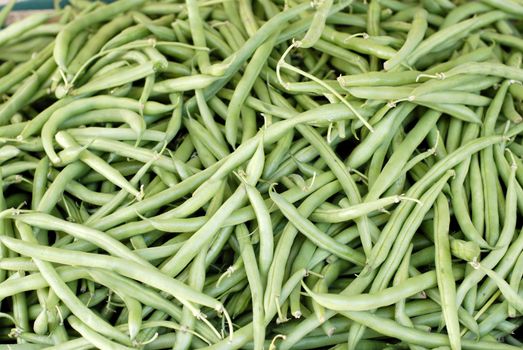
(138, 31)
(317, 25)
(66, 295)
(312, 232)
(508, 292)
(117, 77)
(503, 267)
(251, 45)
(501, 245)
(29, 87)
(244, 86)
(486, 68)
(98, 40)
(365, 150)
(6, 9)
(392, 260)
(452, 33)
(515, 278)
(364, 46)
(509, 6)
(412, 335)
(463, 11)
(255, 284)
(379, 79)
(414, 37)
(146, 275)
(92, 336)
(96, 163)
(392, 168)
(247, 17)
(204, 234)
(352, 212)
(65, 37)
(62, 113)
(444, 273)
(369, 301)
(448, 162)
(22, 26)
(144, 295)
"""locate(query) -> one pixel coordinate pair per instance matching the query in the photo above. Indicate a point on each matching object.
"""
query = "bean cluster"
(262, 174)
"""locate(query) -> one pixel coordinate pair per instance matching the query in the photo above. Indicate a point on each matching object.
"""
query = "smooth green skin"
(172, 224)
(215, 146)
(510, 295)
(503, 39)
(463, 11)
(504, 169)
(181, 84)
(4, 253)
(398, 159)
(98, 40)
(263, 218)
(476, 185)
(224, 166)
(360, 45)
(352, 212)
(244, 334)
(205, 234)
(487, 68)
(93, 337)
(445, 276)
(400, 312)
(379, 79)
(146, 296)
(385, 297)
(198, 35)
(317, 25)
(414, 37)
(346, 56)
(143, 155)
(207, 117)
(342, 174)
(255, 285)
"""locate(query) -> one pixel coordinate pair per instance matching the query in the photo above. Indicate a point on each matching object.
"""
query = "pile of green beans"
(262, 174)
